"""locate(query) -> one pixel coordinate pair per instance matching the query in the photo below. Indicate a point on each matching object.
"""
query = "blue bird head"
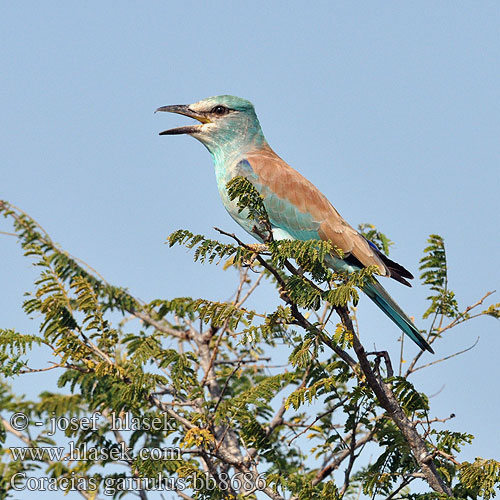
(228, 124)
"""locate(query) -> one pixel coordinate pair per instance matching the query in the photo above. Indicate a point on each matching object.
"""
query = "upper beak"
(182, 109)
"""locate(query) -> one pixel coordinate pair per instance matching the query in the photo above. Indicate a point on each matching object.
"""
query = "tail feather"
(384, 301)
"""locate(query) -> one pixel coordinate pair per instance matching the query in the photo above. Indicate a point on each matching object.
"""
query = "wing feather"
(296, 205)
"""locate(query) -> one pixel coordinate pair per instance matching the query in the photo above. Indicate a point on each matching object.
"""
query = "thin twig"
(319, 417)
(459, 319)
(446, 357)
(406, 481)
(401, 357)
(251, 290)
(335, 464)
(352, 459)
(224, 387)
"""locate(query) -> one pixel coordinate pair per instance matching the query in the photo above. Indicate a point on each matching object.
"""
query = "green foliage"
(16, 342)
(480, 477)
(211, 373)
(493, 310)
(394, 462)
(435, 275)
(248, 199)
(451, 442)
(275, 325)
(217, 313)
(182, 307)
(309, 255)
(411, 400)
(207, 250)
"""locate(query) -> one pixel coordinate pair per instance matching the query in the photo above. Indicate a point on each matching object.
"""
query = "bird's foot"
(257, 247)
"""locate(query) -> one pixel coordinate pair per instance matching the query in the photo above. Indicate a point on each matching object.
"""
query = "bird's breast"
(224, 173)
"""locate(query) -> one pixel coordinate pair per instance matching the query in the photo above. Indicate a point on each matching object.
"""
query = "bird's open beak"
(183, 110)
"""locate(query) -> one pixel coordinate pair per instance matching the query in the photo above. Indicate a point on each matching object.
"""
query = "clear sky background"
(391, 108)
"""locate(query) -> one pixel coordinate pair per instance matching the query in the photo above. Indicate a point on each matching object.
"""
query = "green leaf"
(435, 275)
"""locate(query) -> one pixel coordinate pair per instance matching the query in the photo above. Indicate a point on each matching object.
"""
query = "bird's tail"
(384, 301)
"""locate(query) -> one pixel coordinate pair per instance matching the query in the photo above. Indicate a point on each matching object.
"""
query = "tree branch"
(389, 402)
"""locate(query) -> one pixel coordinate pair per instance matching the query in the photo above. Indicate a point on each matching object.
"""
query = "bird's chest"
(223, 175)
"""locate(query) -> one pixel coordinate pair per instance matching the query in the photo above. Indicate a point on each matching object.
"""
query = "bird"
(230, 130)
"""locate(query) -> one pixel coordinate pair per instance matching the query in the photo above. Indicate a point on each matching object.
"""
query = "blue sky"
(390, 108)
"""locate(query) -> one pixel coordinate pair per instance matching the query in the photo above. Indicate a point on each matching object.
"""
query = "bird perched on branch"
(230, 130)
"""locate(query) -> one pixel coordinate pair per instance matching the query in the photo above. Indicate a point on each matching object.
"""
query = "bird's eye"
(220, 110)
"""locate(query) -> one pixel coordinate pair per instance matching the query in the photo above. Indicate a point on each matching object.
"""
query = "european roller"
(230, 130)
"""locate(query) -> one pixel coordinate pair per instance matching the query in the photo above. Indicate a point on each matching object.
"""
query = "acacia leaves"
(435, 275)
(273, 393)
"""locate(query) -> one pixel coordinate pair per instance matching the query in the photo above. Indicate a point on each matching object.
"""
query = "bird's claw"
(256, 248)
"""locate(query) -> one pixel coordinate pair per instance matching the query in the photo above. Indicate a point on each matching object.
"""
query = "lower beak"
(183, 110)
